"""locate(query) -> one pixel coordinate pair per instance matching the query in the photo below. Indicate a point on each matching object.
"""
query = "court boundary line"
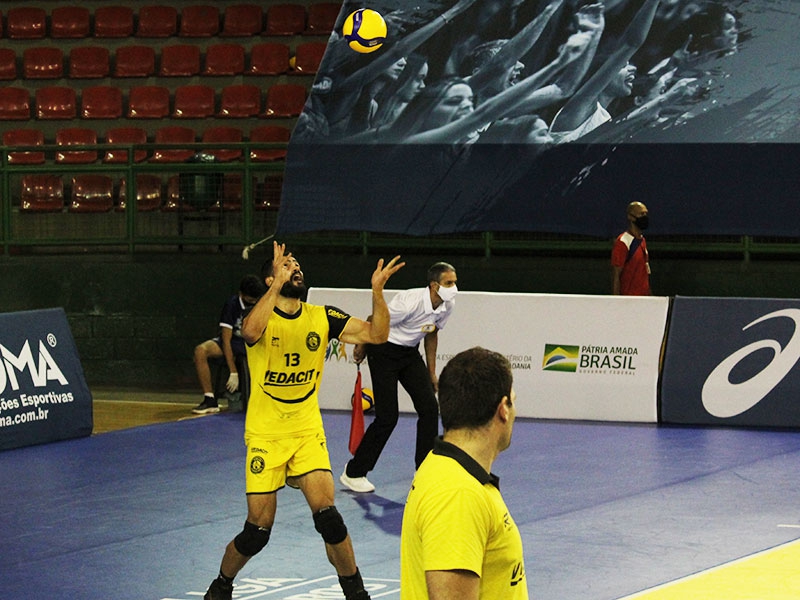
(718, 567)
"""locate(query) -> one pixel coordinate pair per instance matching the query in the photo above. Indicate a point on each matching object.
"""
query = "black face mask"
(642, 222)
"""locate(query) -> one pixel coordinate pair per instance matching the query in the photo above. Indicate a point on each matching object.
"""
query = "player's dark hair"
(436, 271)
(253, 286)
(471, 386)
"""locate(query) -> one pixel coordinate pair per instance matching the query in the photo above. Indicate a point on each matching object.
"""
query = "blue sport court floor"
(606, 512)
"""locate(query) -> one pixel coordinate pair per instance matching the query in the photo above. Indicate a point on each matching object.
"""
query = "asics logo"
(724, 399)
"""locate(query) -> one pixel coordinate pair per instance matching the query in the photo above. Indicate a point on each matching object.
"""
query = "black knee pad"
(330, 525)
(252, 539)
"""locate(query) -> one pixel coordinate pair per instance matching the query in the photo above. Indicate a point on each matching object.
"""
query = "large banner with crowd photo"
(550, 116)
(43, 393)
(733, 361)
(573, 356)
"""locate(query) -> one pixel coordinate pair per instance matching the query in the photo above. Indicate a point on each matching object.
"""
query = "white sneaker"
(356, 484)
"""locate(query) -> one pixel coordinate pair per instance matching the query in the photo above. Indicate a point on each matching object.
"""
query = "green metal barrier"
(134, 231)
(21, 229)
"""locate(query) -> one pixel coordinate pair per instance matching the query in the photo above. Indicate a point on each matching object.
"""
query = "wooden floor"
(114, 409)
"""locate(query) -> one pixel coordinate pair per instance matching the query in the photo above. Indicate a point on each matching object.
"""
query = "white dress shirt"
(413, 316)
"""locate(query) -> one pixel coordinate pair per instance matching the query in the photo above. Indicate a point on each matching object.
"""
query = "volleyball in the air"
(365, 30)
(367, 399)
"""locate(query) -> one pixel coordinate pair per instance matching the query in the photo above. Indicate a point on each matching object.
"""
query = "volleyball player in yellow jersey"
(458, 539)
(286, 342)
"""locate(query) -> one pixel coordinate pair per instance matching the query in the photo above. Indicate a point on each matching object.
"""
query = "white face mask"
(447, 293)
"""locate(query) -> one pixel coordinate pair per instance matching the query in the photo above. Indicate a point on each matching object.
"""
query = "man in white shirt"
(416, 315)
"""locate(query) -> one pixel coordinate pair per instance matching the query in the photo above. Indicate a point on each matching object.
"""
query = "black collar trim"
(287, 315)
(469, 464)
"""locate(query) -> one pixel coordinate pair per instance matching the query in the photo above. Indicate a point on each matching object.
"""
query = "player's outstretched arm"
(375, 331)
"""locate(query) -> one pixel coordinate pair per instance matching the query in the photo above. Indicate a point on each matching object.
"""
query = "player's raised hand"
(382, 273)
(283, 264)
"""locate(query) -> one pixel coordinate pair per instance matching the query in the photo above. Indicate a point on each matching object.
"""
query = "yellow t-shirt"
(455, 518)
(285, 366)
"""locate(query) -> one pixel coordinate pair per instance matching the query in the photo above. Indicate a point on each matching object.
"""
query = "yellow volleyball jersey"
(456, 519)
(286, 366)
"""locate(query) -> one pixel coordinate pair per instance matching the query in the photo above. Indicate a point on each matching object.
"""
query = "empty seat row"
(153, 102)
(160, 21)
(179, 60)
(70, 139)
(93, 192)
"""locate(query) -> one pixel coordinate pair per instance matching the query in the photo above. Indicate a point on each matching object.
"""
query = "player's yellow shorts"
(271, 464)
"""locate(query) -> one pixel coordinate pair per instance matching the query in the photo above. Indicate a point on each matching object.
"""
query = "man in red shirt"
(629, 258)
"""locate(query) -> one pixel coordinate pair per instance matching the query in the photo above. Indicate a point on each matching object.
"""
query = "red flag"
(357, 417)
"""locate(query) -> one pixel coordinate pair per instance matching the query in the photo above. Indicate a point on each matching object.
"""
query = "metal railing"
(126, 228)
(216, 225)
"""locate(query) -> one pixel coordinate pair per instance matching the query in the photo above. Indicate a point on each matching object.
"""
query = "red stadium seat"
(76, 136)
(225, 135)
(101, 102)
(15, 104)
(55, 102)
(89, 62)
(269, 58)
(69, 22)
(41, 193)
(224, 59)
(285, 19)
(91, 192)
(240, 101)
(113, 21)
(242, 20)
(268, 193)
(231, 192)
(148, 102)
(148, 192)
(135, 61)
(43, 63)
(193, 102)
(308, 57)
(8, 64)
(322, 18)
(125, 135)
(285, 100)
(199, 21)
(157, 21)
(24, 137)
(181, 60)
(276, 134)
(173, 134)
(26, 23)
(174, 195)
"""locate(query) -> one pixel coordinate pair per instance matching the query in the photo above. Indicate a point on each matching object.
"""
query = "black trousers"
(390, 364)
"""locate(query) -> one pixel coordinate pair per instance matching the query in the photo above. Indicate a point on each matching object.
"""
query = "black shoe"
(208, 405)
(353, 587)
(219, 591)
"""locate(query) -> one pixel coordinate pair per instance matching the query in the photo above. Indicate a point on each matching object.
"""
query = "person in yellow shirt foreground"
(458, 539)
